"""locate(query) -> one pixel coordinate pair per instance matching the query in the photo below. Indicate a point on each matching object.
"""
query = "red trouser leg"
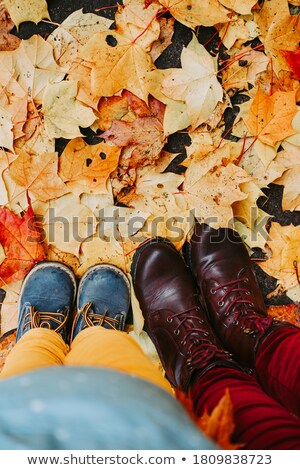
(278, 367)
(261, 422)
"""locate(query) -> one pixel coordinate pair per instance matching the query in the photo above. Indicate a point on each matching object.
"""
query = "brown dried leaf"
(8, 42)
(165, 37)
(145, 135)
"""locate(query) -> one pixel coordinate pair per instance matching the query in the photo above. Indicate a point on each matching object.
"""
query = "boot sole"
(140, 250)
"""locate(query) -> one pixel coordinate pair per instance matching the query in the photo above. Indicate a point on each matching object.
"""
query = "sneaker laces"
(97, 319)
(37, 319)
(249, 315)
(201, 350)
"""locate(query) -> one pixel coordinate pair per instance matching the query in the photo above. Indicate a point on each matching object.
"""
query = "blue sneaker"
(103, 299)
(47, 298)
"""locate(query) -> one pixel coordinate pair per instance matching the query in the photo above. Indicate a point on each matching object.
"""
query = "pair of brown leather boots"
(221, 324)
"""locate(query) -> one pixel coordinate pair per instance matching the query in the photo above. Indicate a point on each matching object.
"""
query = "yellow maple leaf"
(35, 67)
(282, 36)
(176, 115)
(196, 83)
(291, 192)
(119, 59)
(80, 71)
(116, 63)
(193, 13)
(75, 31)
(240, 6)
(284, 261)
(6, 130)
(66, 223)
(236, 30)
(30, 10)
(237, 76)
(158, 193)
(115, 233)
(246, 210)
(9, 307)
(38, 175)
(139, 23)
(279, 32)
(269, 118)
(13, 98)
(262, 162)
(54, 254)
(210, 188)
(86, 168)
(63, 113)
(271, 11)
(96, 251)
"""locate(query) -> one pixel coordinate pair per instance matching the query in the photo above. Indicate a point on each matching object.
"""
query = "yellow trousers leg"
(95, 346)
(38, 348)
(101, 347)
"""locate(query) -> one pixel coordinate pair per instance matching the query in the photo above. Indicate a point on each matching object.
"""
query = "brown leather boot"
(225, 276)
(174, 318)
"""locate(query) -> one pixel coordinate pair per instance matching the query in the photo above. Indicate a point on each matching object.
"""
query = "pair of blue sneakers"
(50, 295)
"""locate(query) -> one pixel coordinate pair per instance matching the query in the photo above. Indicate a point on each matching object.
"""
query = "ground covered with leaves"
(120, 119)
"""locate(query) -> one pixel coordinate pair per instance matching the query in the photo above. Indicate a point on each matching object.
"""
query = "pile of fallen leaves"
(91, 72)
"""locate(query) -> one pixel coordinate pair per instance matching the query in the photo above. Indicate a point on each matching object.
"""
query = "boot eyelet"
(247, 292)
(169, 319)
(246, 279)
(235, 323)
(183, 343)
(176, 332)
(220, 303)
(251, 305)
(226, 314)
(212, 291)
(206, 333)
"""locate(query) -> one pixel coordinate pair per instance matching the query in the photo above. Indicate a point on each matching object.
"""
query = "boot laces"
(97, 319)
(246, 315)
(36, 319)
(201, 350)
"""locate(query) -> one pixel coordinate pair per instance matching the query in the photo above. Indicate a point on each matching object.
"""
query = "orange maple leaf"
(219, 425)
(21, 238)
(289, 313)
(270, 117)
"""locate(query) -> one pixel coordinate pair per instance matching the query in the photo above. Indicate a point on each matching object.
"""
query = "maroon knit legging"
(266, 406)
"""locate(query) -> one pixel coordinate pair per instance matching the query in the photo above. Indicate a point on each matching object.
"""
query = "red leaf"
(293, 59)
(21, 238)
